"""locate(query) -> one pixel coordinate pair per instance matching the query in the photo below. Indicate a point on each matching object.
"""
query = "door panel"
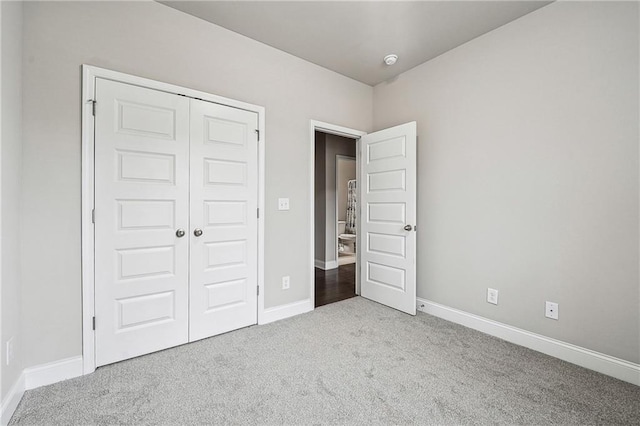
(388, 197)
(141, 198)
(224, 202)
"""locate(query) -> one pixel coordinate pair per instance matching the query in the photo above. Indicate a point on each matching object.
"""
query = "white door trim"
(89, 75)
(332, 129)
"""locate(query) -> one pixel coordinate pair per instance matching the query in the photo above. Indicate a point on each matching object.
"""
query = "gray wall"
(157, 42)
(11, 161)
(528, 173)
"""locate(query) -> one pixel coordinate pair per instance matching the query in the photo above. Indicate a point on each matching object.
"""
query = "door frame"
(89, 75)
(333, 129)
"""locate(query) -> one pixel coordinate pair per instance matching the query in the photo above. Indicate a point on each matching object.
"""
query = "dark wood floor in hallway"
(336, 284)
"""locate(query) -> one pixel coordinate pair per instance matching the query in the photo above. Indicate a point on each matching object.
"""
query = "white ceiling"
(351, 38)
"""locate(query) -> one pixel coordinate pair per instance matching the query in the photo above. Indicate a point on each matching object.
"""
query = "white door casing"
(224, 203)
(141, 199)
(91, 75)
(388, 205)
(166, 165)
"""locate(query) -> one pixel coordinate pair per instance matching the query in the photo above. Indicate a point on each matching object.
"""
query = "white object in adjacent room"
(388, 215)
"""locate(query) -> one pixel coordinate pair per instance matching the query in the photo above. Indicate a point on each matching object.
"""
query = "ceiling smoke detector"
(390, 59)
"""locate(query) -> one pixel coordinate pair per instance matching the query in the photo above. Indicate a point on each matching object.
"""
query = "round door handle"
(197, 232)
(180, 233)
(408, 227)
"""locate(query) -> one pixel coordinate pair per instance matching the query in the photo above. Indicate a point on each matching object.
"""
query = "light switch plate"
(492, 296)
(283, 204)
(286, 282)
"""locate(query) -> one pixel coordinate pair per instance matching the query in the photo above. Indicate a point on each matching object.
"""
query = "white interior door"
(388, 217)
(141, 200)
(224, 223)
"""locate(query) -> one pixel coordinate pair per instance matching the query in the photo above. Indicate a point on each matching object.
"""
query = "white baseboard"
(602, 363)
(332, 264)
(11, 400)
(285, 311)
(52, 372)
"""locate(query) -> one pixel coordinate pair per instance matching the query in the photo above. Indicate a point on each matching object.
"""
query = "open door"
(388, 217)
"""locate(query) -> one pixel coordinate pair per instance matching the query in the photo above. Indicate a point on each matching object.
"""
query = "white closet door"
(224, 202)
(142, 193)
(388, 198)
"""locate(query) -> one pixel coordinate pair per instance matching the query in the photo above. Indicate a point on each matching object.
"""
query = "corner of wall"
(11, 400)
(12, 384)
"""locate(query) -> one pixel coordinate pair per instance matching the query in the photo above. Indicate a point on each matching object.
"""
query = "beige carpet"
(352, 362)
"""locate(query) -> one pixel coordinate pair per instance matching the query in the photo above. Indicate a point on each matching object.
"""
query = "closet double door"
(176, 189)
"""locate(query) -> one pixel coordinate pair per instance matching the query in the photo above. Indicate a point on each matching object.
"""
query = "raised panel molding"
(146, 214)
(390, 245)
(146, 310)
(134, 166)
(146, 120)
(225, 172)
(146, 262)
(387, 212)
(225, 213)
(227, 293)
(394, 180)
(225, 254)
(386, 149)
(386, 276)
(226, 132)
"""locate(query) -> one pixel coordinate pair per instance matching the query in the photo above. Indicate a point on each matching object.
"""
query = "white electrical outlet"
(285, 282)
(283, 204)
(551, 310)
(492, 296)
(9, 357)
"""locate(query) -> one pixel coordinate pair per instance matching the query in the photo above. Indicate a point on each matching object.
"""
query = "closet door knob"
(180, 233)
(197, 232)
(408, 227)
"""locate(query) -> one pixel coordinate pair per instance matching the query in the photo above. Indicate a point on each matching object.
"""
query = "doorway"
(385, 240)
(335, 224)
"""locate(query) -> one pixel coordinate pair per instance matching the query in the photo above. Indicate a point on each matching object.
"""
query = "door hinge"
(258, 292)
(93, 107)
(94, 323)
(258, 213)
(258, 133)
(93, 215)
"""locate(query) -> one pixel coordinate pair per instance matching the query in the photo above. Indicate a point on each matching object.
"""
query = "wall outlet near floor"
(492, 296)
(285, 282)
(10, 351)
(283, 204)
(551, 310)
